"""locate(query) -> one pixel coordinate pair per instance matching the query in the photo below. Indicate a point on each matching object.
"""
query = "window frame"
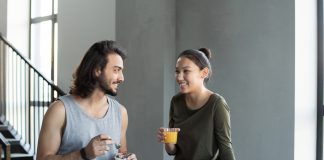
(320, 99)
(53, 18)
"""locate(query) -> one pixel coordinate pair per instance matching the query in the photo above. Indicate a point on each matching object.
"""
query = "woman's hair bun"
(206, 51)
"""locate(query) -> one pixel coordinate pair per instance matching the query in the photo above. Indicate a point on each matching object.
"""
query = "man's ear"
(97, 72)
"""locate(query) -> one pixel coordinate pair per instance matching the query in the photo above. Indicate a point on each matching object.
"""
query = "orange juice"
(171, 137)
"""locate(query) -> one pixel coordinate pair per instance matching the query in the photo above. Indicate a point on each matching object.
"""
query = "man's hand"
(98, 146)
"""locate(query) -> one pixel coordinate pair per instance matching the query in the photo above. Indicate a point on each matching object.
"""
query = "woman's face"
(188, 75)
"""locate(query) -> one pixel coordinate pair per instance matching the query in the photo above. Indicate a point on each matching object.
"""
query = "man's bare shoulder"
(124, 113)
(123, 108)
(56, 108)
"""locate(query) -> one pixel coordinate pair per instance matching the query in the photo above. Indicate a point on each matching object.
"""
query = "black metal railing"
(25, 94)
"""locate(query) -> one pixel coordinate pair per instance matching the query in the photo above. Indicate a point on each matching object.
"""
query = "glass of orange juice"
(171, 135)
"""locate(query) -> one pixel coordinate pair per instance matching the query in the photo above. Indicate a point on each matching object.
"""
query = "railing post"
(2, 78)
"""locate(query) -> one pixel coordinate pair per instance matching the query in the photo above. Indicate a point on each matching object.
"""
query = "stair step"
(17, 152)
(7, 134)
(6, 131)
(20, 156)
(10, 138)
(4, 127)
(17, 148)
(13, 141)
(14, 148)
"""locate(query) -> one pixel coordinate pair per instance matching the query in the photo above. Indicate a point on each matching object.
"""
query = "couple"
(87, 124)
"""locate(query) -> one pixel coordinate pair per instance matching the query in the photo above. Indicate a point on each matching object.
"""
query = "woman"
(202, 115)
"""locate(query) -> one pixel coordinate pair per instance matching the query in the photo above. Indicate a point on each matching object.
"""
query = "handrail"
(25, 95)
(61, 92)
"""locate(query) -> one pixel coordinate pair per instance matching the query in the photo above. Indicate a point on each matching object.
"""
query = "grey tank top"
(81, 128)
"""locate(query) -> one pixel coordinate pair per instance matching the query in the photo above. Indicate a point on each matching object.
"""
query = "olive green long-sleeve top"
(205, 133)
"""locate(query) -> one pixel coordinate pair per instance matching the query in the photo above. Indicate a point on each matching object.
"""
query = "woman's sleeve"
(171, 121)
(223, 130)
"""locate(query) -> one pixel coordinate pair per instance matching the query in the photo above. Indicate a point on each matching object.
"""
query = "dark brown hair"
(200, 57)
(84, 78)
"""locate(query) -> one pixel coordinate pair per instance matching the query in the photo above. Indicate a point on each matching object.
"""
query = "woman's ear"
(204, 72)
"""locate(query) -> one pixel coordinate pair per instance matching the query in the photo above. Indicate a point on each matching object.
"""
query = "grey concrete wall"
(80, 24)
(3, 17)
(147, 30)
(253, 62)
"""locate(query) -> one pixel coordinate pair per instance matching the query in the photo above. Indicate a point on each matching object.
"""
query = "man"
(87, 124)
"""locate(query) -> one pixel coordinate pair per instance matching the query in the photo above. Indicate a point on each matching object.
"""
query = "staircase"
(11, 146)
(25, 95)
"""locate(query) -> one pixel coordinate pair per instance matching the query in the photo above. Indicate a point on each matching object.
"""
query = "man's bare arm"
(123, 140)
(51, 135)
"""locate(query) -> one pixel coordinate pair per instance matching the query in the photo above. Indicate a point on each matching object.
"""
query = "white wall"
(3, 17)
(80, 24)
(305, 79)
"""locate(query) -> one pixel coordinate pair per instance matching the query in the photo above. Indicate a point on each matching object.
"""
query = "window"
(43, 36)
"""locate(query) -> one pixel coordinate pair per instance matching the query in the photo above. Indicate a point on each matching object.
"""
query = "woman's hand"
(161, 135)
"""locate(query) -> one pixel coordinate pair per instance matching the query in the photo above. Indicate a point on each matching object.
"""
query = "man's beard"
(103, 84)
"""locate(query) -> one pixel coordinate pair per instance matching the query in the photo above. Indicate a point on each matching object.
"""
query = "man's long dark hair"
(84, 78)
